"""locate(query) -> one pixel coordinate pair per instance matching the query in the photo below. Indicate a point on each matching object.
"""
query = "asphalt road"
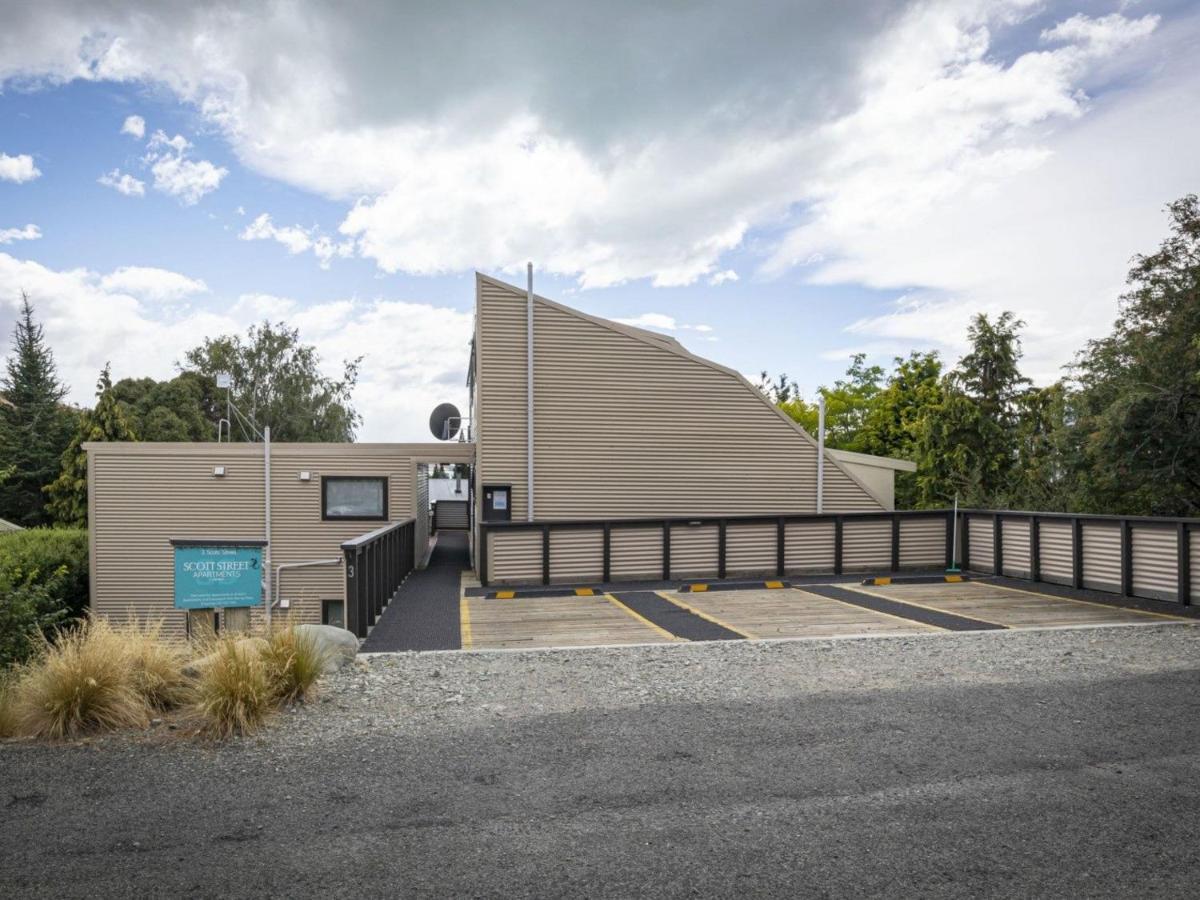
(1037, 781)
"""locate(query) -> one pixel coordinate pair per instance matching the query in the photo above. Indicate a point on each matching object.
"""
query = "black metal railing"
(376, 565)
(722, 523)
(1176, 572)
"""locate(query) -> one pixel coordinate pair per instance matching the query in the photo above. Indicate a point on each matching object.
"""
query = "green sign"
(207, 577)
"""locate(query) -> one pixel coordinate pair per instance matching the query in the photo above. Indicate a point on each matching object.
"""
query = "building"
(627, 425)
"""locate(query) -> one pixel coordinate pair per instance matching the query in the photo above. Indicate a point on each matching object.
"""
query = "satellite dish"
(445, 421)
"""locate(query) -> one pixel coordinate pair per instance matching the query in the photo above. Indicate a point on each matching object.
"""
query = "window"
(333, 613)
(354, 498)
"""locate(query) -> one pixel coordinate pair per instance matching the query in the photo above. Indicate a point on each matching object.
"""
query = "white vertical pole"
(267, 521)
(821, 454)
(529, 390)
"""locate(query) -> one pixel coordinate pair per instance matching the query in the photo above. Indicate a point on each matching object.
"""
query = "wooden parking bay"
(791, 613)
(561, 621)
(1010, 607)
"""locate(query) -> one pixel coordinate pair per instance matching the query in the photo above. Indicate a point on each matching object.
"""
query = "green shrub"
(8, 711)
(294, 661)
(234, 694)
(83, 681)
(28, 612)
(50, 555)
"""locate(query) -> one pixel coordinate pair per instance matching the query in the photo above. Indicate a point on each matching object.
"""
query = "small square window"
(349, 497)
(333, 612)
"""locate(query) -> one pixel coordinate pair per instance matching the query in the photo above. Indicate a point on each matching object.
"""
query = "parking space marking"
(1108, 606)
(639, 617)
(876, 611)
(709, 618)
(906, 601)
(464, 622)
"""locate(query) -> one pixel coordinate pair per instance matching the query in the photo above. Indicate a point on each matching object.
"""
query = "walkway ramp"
(424, 613)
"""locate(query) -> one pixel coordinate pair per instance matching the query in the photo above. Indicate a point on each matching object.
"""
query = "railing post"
(1077, 552)
(666, 551)
(545, 554)
(350, 598)
(1035, 549)
(1126, 558)
(607, 575)
(950, 539)
(997, 545)
(483, 554)
(780, 547)
(837, 545)
(1184, 565)
(895, 543)
(965, 562)
(360, 598)
(721, 548)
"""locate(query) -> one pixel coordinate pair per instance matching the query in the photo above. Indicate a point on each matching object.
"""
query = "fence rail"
(376, 564)
(1131, 555)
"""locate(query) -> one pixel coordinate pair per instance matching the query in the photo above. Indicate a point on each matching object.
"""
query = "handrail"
(363, 539)
(712, 519)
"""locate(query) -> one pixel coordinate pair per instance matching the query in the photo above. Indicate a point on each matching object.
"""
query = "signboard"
(207, 577)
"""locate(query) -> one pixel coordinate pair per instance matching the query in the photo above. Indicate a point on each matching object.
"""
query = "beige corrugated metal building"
(627, 424)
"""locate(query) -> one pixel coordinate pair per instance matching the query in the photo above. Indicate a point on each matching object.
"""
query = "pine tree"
(34, 424)
(107, 422)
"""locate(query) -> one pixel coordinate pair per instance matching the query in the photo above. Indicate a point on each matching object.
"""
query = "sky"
(776, 184)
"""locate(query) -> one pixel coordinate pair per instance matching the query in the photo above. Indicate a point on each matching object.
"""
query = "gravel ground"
(1053, 763)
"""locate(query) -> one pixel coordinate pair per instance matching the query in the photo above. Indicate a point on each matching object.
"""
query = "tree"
(186, 408)
(35, 426)
(277, 381)
(967, 445)
(896, 415)
(1138, 390)
(106, 422)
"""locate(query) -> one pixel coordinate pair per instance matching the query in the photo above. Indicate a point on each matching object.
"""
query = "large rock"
(339, 645)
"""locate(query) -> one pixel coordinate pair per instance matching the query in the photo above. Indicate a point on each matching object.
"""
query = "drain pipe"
(820, 454)
(529, 390)
(267, 520)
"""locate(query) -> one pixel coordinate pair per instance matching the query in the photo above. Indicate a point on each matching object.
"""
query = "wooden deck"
(1010, 607)
(553, 622)
(790, 613)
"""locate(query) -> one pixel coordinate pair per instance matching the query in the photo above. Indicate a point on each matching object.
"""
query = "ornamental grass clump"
(82, 681)
(233, 693)
(156, 666)
(8, 712)
(294, 660)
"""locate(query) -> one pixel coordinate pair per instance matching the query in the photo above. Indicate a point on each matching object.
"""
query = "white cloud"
(257, 307)
(415, 355)
(723, 276)
(18, 168)
(655, 321)
(914, 149)
(123, 183)
(134, 126)
(149, 283)
(28, 233)
(185, 179)
(297, 239)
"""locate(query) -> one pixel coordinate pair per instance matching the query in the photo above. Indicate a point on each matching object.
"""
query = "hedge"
(43, 584)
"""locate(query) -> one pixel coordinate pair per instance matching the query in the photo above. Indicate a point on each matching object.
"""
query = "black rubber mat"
(922, 614)
(675, 619)
(424, 613)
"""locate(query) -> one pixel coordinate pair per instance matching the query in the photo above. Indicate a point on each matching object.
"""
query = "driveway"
(956, 764)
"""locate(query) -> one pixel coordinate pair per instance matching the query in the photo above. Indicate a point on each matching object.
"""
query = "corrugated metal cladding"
(421, 513)
(142, 495)
(630, 425)
(809, 546)
(1102, 556)
(1015, 552)
(636, 553)
(922, 543)
(1155, 562)
(451, 515)
(1194, 562)
(867, 546)
(982, 552)
(752, 549)
(1055, 551)
(694, 551)
(577, 556)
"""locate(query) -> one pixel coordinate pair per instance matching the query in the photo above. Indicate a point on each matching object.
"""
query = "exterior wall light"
(306, 476)
(218, 471)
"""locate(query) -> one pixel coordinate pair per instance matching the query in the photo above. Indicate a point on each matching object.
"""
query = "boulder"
(339, 645)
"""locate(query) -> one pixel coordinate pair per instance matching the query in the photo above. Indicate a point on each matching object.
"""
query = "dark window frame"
(325, 606)
(325, 481)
